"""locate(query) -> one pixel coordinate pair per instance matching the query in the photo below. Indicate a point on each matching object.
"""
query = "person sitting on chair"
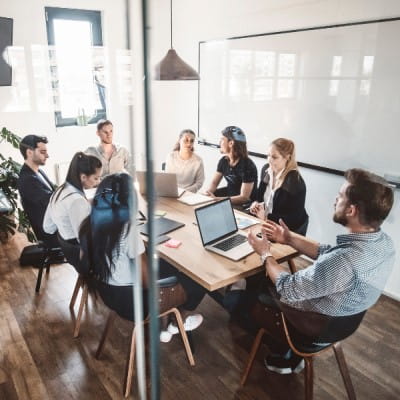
(113, 247)
(344, 279)
(185, 163)
(236, 167)
(282, 191)
(34, 187)
(68, 206)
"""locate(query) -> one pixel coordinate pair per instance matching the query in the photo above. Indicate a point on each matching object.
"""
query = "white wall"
(175, 103)
(30, 29)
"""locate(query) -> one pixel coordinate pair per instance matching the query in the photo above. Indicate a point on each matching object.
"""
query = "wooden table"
(209, 269)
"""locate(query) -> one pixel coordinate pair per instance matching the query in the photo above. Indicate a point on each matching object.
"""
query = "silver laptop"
(219, 232)
(165, 184)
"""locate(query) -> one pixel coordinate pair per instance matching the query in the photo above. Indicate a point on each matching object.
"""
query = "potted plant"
(9, 171)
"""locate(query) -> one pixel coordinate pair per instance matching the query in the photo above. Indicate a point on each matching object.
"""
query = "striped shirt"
(345, 279)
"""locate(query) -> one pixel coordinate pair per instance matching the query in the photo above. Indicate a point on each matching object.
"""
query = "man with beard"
(344, 279)
(113, 157)
(34, 187)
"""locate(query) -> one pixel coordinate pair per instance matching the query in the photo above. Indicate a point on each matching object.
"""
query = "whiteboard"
(335, 91)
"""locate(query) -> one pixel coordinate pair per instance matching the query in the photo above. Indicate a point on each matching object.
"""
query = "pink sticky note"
(173, 243)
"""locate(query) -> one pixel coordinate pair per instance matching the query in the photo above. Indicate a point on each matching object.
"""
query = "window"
(77, 65)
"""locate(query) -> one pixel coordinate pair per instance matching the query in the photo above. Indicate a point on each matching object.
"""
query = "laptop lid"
(165, 183)
(216, 221)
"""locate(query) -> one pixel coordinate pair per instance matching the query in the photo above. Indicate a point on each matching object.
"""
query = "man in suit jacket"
(34, 187)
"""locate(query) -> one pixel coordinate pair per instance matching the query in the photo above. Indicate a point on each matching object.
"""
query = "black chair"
(303, 330)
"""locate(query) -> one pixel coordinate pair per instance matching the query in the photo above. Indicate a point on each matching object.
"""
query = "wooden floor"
(39, 359)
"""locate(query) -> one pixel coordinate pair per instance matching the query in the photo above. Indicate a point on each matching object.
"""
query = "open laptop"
(165, 184)
(219, 232)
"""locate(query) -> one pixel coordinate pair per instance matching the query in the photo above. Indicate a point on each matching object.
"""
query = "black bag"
(32, 255)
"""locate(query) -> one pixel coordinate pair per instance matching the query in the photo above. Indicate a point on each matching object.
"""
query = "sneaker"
(283, 366)
(191, 323)
(165, 336)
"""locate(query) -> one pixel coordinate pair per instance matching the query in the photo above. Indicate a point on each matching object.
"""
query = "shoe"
(283, 366)
(165, 336)
(191, 323)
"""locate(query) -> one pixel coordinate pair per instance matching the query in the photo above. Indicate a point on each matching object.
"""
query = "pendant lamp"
(172, 67)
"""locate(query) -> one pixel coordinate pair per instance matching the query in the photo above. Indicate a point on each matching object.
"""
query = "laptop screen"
(215, 221)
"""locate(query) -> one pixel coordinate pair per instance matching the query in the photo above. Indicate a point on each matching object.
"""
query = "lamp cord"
(171, 22)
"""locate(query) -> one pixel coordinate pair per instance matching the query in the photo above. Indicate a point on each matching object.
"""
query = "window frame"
(92, 16)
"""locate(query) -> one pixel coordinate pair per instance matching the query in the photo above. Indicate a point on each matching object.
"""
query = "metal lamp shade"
(173, 68)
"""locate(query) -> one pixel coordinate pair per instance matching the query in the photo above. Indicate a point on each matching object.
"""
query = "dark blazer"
(288, 202)
(35, 196)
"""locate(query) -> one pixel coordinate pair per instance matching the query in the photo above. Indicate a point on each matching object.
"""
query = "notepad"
(195, 198)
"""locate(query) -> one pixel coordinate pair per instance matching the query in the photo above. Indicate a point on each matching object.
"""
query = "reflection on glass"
(333, 87)
(264, 63)
(240, 67)
(365, 86)
(368, 65)
(74, 68)
(41, 78)
(125, 76)
(287, 64)
(336, 65)
(285, 88)
(20, 99)
(263, 89)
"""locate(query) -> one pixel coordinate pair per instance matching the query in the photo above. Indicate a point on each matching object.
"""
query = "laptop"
(219, 232)
(165, 184)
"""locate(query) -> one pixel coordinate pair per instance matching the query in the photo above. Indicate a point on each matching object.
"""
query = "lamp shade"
(173, 68)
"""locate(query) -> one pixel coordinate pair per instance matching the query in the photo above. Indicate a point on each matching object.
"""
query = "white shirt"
(66, 213)
(130, 248)
(189, 173)
(270, 192)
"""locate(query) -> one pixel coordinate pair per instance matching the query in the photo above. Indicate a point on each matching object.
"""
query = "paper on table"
(243, 222)
(194, 198)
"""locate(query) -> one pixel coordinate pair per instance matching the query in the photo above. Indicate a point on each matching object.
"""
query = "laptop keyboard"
(231, 242)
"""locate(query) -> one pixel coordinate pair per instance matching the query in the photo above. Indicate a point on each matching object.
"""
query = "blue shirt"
(345, 279)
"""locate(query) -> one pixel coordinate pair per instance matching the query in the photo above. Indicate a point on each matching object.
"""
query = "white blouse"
(189, 173)
(269, 192)
(66, 213)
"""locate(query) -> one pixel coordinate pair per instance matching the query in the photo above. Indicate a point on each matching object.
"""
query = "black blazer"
(289, 199)
(35, 196)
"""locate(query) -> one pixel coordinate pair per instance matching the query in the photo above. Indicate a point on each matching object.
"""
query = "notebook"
(165, 184)
(195, 198)
(219, 232)
(161, 226)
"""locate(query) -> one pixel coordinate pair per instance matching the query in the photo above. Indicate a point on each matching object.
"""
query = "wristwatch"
(265, 255)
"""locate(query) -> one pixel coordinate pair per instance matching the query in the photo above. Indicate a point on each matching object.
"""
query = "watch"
(265, 255)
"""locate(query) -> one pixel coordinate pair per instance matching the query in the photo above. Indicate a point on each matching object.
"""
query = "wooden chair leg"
(84, 298)
(337, 348)
(253, 352)
(309, 378)
(129, 366)
(183, 335)
(109, 322)
(78, 285)
(39, 278)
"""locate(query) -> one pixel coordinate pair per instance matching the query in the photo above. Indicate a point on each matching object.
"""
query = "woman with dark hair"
(113, 248)
(282, 191)
(236, 167)
(68, 206)
(187, 165)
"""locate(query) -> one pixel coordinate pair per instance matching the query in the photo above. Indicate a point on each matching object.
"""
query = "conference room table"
(209, 269)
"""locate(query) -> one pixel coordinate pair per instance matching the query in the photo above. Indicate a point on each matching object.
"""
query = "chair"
(295, 326)
(72, 255)
(171, 296)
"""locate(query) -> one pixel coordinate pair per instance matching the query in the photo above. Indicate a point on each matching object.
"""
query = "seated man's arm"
(245, 193)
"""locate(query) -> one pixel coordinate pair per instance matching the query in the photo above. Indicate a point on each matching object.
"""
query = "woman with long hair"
(187, 165)
(282, 191)
(68, 206)
(236, 167)
(113, 249)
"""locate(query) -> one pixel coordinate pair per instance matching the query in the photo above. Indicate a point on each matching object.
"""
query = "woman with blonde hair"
(187, 165)
(282, 191)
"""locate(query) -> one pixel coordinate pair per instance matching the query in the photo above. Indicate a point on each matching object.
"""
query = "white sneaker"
(165, 336)
(191, 323)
